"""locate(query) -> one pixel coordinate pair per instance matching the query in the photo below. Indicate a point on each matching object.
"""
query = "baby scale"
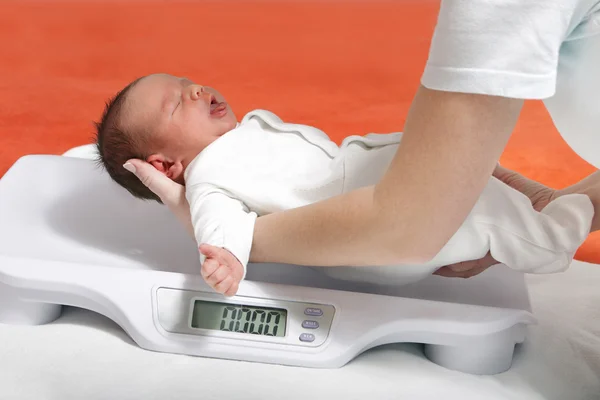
(71, 237)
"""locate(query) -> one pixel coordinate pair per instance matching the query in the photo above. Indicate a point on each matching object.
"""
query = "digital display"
(239, 318)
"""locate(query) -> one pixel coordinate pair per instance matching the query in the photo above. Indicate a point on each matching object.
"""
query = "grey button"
(310, 324)
(307, 337)
(313, 311)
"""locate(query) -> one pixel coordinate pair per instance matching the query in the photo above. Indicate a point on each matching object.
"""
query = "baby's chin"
(229, 124)
(230, 118)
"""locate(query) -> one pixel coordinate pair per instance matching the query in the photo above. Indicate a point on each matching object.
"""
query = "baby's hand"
(221, 269)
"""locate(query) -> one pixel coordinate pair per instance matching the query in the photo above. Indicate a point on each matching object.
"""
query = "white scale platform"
(72, 237)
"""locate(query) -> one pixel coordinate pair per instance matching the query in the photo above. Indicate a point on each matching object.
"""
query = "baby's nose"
(196, 91)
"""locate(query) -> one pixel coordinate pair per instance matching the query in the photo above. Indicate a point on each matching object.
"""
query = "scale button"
(307, 337)
(310, 324)
(313, 311)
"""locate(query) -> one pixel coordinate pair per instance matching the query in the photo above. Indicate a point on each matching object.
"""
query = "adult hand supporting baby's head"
(166, 189)
(171, 193)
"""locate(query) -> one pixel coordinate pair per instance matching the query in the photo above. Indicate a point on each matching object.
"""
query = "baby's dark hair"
(116, 143)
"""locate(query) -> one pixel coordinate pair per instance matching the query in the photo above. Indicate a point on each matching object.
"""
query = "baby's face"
(185, 116)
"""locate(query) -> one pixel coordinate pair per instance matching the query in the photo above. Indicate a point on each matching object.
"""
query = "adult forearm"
(449, 149)
(337, 231)
(589, 186)
(448, 153)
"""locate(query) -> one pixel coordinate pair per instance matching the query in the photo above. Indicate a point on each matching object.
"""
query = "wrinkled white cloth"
(265, 165)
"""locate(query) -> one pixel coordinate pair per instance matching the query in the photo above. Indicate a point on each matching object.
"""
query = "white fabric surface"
(85, 356)
(503, 47)
(265, 165)
(534, 49)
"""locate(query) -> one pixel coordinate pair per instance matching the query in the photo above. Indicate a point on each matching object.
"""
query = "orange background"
(347, 67)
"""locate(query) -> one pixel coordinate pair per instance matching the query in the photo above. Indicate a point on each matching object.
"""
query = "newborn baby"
(234, 172)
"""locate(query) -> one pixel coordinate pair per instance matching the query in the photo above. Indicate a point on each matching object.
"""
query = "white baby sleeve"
(221, 221)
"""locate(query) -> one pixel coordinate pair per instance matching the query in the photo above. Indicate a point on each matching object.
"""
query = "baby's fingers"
(225, 286)
(232, 289)
(218, 276)
(210, 251)
(209, 267)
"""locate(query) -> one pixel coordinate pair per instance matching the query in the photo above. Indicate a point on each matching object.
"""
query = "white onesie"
(265, 165)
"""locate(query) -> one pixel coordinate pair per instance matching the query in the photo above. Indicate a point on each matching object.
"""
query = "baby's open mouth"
(217, 107)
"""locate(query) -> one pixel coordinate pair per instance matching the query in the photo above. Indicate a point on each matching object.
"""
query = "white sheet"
(85, 356)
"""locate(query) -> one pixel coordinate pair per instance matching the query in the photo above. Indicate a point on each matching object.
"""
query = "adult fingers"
(448, 272)
(467, 269)
(168, 190)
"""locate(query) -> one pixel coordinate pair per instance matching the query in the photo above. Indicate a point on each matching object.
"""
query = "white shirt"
(507, 48)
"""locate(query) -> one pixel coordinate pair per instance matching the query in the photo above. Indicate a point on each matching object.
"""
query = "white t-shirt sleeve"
(221, 221)
(506, 48)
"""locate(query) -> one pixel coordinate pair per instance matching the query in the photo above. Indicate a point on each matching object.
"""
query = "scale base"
(14, 311)
(67, 241)
(490, 356)
(481, 355)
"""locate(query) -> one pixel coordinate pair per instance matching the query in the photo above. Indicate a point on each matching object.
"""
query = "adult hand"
(539, 195)
(467, 269)
(171, 193)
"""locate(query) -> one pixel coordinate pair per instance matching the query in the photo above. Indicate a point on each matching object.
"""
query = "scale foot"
(487, 356)
(14, 311)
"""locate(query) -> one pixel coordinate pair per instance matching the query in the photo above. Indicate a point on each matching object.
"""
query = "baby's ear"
(172, 169)
(175, 171)
(159, 162)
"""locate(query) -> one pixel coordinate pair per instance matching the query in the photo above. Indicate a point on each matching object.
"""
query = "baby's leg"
(505, 223)
(365, 164)
(527, 240)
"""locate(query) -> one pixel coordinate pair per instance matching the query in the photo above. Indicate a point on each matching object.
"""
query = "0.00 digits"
(245, 320)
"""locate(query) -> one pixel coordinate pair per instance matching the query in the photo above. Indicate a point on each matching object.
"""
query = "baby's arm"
(224, 222)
